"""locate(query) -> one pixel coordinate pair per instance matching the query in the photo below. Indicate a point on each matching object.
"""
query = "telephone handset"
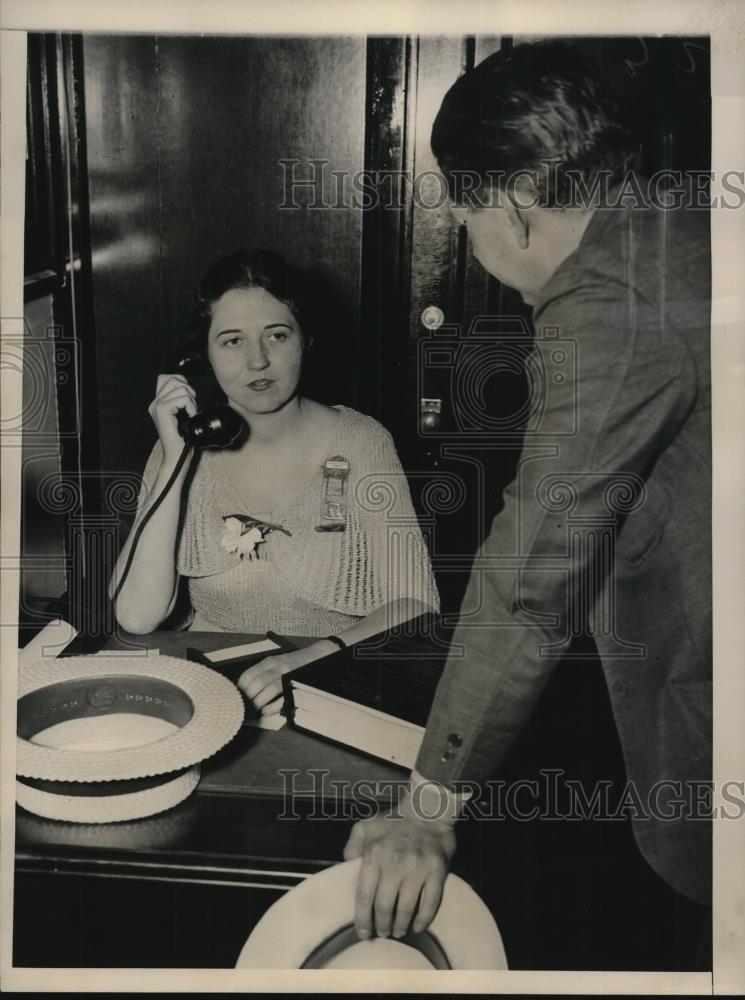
(216, 425)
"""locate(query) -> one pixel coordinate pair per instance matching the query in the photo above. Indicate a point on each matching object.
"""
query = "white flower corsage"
(242, 534)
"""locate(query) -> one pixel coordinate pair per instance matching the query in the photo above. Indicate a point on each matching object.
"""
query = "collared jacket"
(606, 528)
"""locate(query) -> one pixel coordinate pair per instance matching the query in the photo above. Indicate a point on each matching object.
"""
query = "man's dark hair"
(542, 109)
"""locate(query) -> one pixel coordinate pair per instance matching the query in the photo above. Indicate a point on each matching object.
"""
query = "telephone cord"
(141, 526)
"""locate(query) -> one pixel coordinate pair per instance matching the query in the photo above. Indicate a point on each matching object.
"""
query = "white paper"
(247, 649)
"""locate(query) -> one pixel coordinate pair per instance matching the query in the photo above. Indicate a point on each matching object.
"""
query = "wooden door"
(417, 264)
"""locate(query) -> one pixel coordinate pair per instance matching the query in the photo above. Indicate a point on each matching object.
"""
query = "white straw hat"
(106, 739)
(312, 926)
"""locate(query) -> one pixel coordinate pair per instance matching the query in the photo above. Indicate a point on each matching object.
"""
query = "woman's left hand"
(262, 682)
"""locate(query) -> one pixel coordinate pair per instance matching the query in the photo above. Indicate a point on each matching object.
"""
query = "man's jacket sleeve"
(613, 390)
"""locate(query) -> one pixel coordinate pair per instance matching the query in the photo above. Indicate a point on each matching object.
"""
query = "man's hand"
(404, 865)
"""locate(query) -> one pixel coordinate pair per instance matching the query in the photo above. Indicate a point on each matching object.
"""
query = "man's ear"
(519, 197)
(517, 220)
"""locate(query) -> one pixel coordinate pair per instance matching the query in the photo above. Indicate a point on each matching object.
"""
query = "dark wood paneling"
(60, 450)
(386, 257)
(185, 136)
(121, 100)
(44, 199)
(43, 537)
(150, 925)
(457, 487)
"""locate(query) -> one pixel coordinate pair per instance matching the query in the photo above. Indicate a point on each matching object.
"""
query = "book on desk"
(374, 696)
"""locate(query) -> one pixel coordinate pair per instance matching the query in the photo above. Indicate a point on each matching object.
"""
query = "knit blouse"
(309, 582)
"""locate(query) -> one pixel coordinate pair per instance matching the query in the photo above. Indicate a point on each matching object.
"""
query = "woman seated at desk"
(306, 528)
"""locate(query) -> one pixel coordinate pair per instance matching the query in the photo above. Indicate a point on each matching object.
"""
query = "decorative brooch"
(334, 494)
(242, 534)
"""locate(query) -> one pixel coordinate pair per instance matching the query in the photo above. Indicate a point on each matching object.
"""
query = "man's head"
(517, 139)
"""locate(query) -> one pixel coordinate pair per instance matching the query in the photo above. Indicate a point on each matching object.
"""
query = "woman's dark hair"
(253, 269)
(540, 108)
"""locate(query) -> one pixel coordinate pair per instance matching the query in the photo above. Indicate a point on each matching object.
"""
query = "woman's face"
(256, 347)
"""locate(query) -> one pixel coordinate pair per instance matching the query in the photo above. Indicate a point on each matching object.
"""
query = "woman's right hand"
(173, 393)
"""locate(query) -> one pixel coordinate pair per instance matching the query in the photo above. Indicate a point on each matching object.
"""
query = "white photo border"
(724, 22)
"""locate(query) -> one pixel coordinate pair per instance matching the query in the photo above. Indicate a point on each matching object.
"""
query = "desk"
(184, 889)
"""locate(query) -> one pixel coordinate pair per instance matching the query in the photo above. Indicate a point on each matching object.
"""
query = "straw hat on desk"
(312, 927)
(111, 738)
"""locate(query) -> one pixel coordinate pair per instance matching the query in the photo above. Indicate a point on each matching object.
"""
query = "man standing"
(623, 441)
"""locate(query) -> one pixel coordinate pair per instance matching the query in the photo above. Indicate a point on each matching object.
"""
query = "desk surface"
(199, 876)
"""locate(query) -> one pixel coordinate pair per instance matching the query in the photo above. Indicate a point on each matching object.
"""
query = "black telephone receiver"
(216, 425)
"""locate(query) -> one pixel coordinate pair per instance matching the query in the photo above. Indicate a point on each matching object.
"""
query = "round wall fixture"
(106, 739)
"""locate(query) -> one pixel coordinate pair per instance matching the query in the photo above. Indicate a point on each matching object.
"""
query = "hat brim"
(108, 808)
(317, 908)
